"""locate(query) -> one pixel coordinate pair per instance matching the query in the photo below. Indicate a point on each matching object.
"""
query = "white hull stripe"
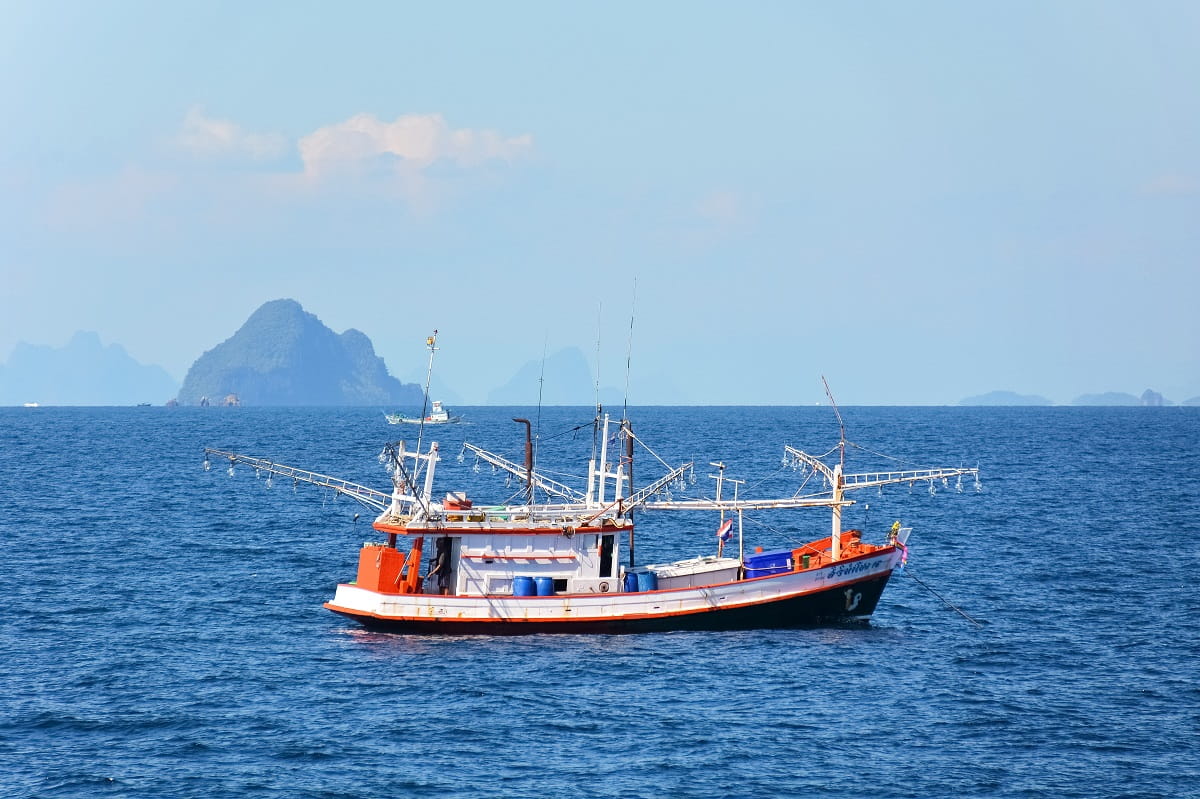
(355, 601)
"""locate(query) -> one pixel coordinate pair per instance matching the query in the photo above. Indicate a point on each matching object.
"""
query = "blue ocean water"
(162, 633)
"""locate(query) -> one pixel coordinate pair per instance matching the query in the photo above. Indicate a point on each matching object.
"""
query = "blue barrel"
(630, 582)
(523, 586)
(545, 586)
(647, 581)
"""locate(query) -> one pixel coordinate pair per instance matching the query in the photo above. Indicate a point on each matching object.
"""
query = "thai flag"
(725, 531)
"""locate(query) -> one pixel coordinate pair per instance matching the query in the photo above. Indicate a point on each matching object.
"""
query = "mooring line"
(944, 600)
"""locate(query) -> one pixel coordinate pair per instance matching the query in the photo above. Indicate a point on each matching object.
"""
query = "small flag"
(725, 531)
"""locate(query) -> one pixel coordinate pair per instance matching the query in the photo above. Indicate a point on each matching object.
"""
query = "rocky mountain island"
(84, 372)
(284, 355)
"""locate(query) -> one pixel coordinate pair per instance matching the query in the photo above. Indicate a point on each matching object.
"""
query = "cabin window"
(606, 556)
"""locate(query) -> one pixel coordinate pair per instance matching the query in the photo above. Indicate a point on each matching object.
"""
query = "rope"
(772, 476)
(646, 447)
(574, 429)
(886, 457)
(942, 598)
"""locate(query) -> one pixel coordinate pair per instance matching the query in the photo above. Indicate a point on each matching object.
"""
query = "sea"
(162, 631)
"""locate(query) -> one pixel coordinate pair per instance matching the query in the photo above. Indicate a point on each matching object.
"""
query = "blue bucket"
(523, 586)
(647, 581)
(630, 583)
(545, 586)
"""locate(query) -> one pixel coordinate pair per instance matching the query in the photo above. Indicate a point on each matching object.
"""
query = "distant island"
(84, 372)
(563, 378)
(1005, 398)
(284, 355)
(1148, 399)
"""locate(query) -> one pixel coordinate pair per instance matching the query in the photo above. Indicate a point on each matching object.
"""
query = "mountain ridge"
(284, 355)
(84, 372)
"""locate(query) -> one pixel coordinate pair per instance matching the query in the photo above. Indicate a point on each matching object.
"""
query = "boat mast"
(835, 547)
(431, 342)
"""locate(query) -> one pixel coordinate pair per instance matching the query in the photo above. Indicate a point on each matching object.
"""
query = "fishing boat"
(561, 560)
(438, 415)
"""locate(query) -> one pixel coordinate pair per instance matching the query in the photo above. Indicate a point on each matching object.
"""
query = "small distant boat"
(439, 415)
(31, 405)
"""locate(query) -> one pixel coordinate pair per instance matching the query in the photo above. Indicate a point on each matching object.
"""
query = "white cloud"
(418, 140)
(206, 136)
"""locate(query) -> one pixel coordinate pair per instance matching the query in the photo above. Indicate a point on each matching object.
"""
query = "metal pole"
(528, 458)
(629, 460)
(835, 546)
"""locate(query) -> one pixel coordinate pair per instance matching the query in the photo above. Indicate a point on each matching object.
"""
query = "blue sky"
(921, 201)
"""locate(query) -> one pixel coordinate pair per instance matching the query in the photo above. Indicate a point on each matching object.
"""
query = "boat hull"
(783, 601)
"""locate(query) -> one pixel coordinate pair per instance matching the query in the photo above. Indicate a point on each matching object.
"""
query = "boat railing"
(560, 516)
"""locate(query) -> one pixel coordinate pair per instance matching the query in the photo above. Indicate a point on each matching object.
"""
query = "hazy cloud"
(417, 140)
(721, 207)
(1172, 184)
(206, 136)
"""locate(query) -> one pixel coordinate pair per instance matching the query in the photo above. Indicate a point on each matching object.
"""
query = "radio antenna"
(599, 315)
(599, 408)
(541, 388)
(629, 350)
(841, 425)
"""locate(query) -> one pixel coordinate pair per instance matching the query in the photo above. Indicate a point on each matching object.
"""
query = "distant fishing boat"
(555, 565)
(439, 415)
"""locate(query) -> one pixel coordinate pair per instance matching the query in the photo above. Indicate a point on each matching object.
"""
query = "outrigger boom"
(369, 497)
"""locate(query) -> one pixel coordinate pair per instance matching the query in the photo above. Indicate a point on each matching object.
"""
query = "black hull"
(825, 608)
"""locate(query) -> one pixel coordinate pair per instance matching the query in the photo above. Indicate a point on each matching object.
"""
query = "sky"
(717, 203)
